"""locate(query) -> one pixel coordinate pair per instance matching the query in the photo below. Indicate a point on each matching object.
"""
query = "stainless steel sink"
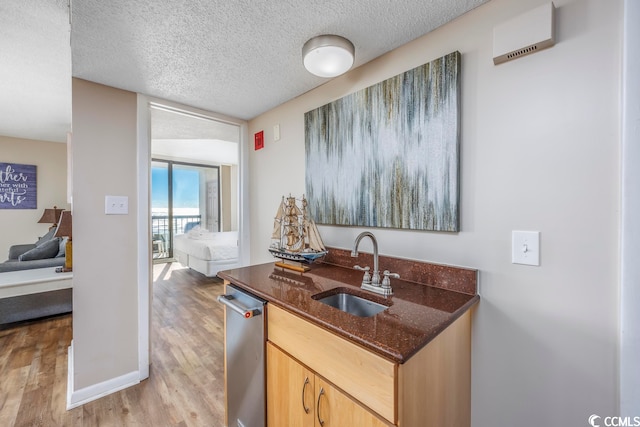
(350, 303)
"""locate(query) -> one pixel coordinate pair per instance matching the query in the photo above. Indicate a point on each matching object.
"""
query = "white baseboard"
(77, 398)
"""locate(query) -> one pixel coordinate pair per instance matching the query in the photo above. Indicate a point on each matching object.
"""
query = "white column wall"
(630, 234)
(105, 247)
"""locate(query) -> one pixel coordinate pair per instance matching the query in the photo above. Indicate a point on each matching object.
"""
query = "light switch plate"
(525, 247)
(116, 205)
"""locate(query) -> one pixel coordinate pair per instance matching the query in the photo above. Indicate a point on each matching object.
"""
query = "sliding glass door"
(183, 196)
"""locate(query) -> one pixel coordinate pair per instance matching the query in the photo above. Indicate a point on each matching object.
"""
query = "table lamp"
(51, 216)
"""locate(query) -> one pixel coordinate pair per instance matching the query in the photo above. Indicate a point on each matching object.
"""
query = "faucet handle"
(386, 282)
(367, 277)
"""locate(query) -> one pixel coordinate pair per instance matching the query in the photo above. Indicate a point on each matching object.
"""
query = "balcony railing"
(160, 232)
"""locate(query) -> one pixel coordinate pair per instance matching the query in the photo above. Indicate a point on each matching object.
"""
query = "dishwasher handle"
(233, 304)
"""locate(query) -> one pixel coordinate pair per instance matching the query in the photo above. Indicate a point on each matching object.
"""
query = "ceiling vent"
(525, 34)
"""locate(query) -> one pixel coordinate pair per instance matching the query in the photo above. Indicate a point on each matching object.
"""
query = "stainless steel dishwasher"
(245, 358)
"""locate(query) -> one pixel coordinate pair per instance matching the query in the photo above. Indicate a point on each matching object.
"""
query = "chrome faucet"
(372, 282)
(375, 277)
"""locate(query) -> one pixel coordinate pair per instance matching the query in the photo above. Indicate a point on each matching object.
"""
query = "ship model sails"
(295, 236)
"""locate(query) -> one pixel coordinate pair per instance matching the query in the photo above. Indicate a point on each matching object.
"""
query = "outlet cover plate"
(276, 132)
(116, 205)
(525, 247)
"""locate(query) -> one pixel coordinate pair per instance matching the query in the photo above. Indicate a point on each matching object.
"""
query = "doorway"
(194, 176)
(233, 190)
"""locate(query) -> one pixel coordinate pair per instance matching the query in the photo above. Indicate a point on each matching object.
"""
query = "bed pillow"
(46, 250)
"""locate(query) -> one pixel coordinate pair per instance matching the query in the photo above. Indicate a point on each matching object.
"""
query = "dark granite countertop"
(417, 312)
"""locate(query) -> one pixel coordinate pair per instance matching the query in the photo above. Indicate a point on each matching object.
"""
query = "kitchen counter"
(417, 312)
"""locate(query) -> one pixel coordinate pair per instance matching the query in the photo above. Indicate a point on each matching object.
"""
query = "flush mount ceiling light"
(328, 55)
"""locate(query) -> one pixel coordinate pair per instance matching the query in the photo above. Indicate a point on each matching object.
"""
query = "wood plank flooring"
(185, 387)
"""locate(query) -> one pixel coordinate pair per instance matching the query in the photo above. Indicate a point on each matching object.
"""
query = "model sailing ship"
(295, 236)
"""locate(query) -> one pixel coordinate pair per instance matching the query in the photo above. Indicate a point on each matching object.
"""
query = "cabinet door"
(336, 409)
(290, 388)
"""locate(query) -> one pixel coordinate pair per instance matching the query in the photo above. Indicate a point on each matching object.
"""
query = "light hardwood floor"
(185, 387)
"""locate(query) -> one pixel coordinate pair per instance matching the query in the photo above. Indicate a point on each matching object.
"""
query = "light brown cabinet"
(297, 397)
(290, 391)
(314, 375)
(336, 409)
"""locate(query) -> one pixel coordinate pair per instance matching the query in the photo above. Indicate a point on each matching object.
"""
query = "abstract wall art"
(388, 155)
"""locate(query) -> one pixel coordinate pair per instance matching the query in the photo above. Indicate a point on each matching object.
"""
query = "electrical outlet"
(116, 205)
(525, 247)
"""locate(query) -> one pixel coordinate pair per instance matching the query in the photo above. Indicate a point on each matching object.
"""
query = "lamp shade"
(51, 216)
(328, 55)
(64, 228)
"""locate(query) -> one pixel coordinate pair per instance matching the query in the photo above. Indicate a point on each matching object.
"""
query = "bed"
(207, 252)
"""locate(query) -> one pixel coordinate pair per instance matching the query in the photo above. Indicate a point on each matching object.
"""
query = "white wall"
(105, 289)
(225, 198)
(630, 292)
(21, 225)
(540, 151)
(234, 186)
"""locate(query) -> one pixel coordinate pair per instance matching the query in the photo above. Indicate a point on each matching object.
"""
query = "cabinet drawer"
(362, 374)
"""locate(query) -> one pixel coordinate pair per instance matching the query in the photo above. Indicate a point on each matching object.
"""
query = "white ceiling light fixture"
(328, 55)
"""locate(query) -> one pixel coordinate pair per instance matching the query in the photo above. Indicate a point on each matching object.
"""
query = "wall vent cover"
(525, 34)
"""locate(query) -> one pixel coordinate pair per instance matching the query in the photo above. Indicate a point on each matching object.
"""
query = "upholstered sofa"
(48, 251)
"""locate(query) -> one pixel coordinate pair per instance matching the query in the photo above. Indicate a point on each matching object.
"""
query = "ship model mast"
(295, 236)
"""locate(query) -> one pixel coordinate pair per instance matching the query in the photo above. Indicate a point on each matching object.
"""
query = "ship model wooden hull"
(307, 257)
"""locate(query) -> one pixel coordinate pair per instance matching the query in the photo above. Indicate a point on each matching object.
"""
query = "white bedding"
(208, 246)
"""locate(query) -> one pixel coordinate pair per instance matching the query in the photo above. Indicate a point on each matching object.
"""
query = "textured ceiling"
(239, 58)
(168, 124)
(192, 138)
(35, 69)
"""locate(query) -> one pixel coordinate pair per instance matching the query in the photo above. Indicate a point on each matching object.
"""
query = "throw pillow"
(46, 237)
(62, 249)
(45, 250)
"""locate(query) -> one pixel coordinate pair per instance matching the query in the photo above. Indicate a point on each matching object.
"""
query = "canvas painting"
(18, 186)
(388, 155)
